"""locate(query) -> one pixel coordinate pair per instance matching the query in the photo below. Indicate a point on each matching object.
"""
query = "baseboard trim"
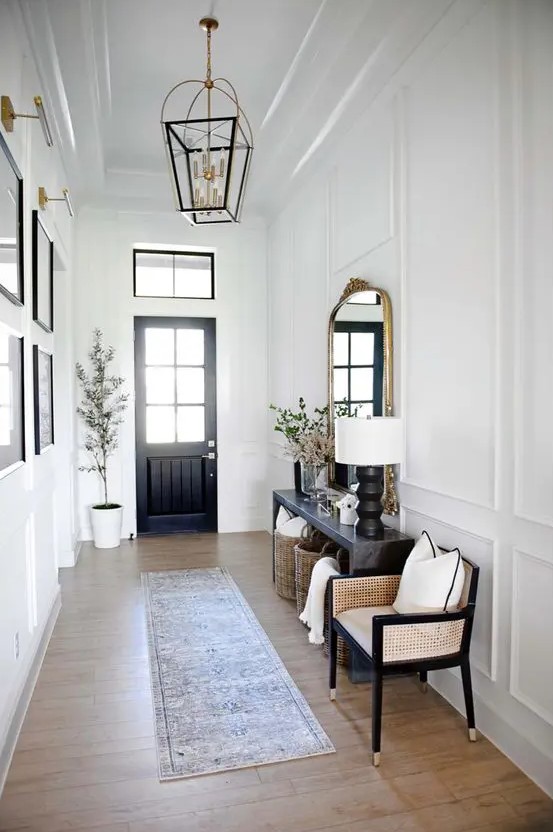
(26, 692)
(531, 760)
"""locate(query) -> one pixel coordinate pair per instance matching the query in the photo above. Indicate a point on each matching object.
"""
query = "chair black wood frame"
(358, 592)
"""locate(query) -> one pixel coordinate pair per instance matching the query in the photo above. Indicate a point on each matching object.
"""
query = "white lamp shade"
(376, 441)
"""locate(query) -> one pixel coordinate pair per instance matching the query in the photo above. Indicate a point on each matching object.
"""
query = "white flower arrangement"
(348, 501)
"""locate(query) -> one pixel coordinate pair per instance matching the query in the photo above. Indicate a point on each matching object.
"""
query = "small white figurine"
(347, 506)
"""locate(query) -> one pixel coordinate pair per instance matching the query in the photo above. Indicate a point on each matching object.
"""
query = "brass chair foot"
(472, 734)
(424, 687)
(332, 694)
(376, 759)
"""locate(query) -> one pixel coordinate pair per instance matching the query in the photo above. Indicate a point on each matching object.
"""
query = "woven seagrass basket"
(285, 565)
(307, 553)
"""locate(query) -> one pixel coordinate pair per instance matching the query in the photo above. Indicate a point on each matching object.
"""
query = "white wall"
(36, 518)
(452, 214)
(104, 298)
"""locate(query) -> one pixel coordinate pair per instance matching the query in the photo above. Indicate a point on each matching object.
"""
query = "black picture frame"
(12, 400)
(11, 226)
(43, 386)
(43, 275)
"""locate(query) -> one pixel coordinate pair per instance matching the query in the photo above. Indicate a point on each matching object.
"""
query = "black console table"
(382, 555)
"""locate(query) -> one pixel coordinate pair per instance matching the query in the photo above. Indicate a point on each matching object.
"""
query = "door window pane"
(160, 385)
(361, 384)
(190, 346)
(190, 385)
(340, 385)
(341, 348)
(362, 348)
(191, 424)
(363, 410)
(160, 424)
(160, 346)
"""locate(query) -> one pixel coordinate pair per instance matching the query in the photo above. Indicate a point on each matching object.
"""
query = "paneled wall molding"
(486, 454)
(465, 254)
(490, 506)
(23, 696)
(538, 639)
(533, 388)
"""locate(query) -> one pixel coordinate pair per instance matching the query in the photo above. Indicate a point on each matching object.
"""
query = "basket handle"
(307, 532)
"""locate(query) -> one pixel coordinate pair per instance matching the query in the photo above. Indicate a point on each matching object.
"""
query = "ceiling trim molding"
(294, 66)
(97, 14)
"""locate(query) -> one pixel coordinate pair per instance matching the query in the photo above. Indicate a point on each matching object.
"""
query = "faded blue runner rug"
(222, 697)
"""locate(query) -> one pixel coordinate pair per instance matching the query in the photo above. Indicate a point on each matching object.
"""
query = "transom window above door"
(175, 385)
(174, 274)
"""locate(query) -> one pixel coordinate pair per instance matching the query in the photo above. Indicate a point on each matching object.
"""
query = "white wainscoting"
(532, 633)
(454, 220)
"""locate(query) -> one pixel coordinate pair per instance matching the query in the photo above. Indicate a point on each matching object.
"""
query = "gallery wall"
(440, 193)
(104, 299)
(37, 529)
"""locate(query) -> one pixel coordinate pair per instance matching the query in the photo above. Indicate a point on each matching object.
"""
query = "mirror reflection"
(10, 227)
(360, 368)
(358, 354)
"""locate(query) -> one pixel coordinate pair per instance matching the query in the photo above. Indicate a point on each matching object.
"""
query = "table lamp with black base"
(369, 444)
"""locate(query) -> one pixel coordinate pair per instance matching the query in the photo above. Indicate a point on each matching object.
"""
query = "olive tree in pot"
(101, 410)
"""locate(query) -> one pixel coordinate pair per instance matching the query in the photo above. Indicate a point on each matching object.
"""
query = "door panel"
(176, 461)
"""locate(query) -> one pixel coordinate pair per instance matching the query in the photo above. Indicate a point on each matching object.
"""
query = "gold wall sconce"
(8, 116)
(43, 199)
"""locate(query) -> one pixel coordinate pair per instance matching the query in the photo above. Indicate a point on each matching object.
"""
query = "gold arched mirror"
(360, 369)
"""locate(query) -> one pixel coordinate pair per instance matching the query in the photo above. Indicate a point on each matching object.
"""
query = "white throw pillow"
(432, 580)
(293, 528)
(282, 517)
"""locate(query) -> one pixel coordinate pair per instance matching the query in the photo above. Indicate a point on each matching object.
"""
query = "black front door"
(175, 408)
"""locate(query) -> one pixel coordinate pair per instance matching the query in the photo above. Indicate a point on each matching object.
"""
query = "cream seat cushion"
(431, 581)
(359, 623)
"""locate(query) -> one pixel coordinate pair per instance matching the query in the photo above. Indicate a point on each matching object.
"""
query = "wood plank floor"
(86, 757)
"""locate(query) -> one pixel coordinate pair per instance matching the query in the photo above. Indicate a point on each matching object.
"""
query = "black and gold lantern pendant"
(208, 154)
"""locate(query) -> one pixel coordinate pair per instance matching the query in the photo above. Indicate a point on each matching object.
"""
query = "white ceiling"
(298, 66)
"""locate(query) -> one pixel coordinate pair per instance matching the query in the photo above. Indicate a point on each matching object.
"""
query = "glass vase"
(314, 480)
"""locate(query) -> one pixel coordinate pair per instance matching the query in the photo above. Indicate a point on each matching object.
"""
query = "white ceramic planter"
(106, 527)
(348, 516)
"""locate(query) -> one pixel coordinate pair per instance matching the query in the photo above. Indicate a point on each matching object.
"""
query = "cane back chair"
(360, 611)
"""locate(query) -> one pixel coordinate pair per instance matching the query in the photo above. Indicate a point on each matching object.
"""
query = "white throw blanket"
(314, 612)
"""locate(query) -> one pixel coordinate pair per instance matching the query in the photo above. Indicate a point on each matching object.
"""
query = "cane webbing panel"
(370, 591)
(408, 642)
